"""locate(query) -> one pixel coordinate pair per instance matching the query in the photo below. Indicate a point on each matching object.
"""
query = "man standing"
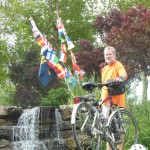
(113, 70)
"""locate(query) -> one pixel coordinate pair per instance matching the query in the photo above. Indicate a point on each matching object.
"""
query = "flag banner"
(63, 48)
(77, 69)
(50, 55)
(60, 26)
(72, 56)
(51, 65)
(40, 39)
(63, 57)
(70, 44)
(69, 79)
(62, 40)
(45, 72)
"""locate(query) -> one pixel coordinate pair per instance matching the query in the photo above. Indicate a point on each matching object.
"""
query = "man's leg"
(120, 146)
(108, 146)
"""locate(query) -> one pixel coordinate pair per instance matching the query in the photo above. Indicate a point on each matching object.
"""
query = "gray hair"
(110, 48)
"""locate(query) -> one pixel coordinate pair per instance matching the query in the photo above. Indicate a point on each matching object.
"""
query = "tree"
(129, 33)
(4, 60)
(25, 76)
(15, 24)
(90, 58)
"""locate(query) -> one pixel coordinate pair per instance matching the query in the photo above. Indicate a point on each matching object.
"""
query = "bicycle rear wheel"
(123, 126)
(82, 132)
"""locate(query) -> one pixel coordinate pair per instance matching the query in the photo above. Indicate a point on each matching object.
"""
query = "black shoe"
(117, 138)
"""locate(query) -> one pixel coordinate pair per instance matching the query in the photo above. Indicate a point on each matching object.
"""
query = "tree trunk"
(145, 86)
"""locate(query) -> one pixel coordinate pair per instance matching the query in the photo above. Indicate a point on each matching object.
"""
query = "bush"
(56, 97)
(141, 112)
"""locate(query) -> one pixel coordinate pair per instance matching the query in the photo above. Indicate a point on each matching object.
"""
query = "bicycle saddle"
(88, 86)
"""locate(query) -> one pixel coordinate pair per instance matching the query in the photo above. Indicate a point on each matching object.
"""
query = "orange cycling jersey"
(112, 71)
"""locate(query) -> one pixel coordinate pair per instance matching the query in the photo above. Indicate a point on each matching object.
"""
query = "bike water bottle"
(106, 110)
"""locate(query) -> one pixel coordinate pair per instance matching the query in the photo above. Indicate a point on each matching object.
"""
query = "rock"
(12, 111)
(66, 111)
(70, 144)
(5, 145)
(5, 132)
(9, 117)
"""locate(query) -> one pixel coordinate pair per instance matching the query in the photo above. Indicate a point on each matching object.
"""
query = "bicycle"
(90, 128)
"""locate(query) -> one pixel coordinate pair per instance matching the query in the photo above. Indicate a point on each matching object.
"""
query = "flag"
(70, 44)
(72, 56)
(46, 74)
(63, 48)
(69, 79)
(60, 26)
(51, 64)
(63, 57)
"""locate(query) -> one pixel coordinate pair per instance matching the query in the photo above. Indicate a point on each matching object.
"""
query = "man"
(113, 70)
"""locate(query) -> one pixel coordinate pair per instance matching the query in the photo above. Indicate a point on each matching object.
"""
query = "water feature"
(38, 129)
(58, 127)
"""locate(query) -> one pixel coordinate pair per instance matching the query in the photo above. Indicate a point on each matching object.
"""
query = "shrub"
(56, 97)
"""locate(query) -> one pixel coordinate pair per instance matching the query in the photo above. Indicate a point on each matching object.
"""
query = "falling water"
(59, 124)
(26, 135)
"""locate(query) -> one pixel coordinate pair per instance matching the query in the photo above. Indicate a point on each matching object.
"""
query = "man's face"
(109, 56)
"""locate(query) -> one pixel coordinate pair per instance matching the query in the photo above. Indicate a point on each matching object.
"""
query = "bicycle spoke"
(84, 138)
(124, 128)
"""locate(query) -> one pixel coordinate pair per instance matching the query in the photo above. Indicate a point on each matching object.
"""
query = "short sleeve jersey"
(113, 71)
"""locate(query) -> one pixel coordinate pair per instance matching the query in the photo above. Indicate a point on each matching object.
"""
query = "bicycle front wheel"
(124, 129)
(82, 130)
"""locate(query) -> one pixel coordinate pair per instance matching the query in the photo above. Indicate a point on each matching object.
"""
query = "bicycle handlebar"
(90, 86)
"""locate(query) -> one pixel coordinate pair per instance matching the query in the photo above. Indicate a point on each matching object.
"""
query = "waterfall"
(58, 126)
(32, 133)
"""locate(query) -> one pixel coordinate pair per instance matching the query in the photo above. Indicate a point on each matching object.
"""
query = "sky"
(140, 87)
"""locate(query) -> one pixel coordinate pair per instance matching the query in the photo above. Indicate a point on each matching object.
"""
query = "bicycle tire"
(124, 129)
(84, 139)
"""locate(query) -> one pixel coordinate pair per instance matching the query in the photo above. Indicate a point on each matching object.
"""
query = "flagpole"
(71, 91)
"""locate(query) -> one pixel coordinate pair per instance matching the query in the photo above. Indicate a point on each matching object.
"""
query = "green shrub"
(56, 97)
(141, 112)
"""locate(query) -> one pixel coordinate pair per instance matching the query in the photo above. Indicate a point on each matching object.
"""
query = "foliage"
(104, 24)
(6, 89)
(25, 75)
(55, 97)
(4, 60)
(123, 5)
(26, 97)
(15, 20)
(16, 30)
(89, 58)
(141, 112)
(132, 38)
(128, 32)
(132, 41)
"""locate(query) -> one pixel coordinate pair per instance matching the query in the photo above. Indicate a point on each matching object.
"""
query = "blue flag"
(46, 74)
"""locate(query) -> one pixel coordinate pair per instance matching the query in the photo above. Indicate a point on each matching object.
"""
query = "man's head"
(109, 54)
